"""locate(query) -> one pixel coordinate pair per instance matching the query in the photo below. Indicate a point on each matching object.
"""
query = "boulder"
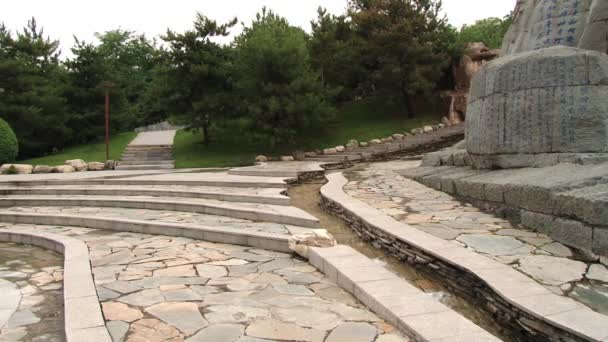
(330, 151)
(375, 142)
(63, 169)
(441, 125)
(427, 129)
(340, 148)
(398, 136)
(287, 158)
(261, 159)
(109, 165)
(352, 144)
(42, 169)
(77, 164)
(387, 139)
(364, 144)
(16, 168)
(310, 154)
(317, 238)
(95, 166)
(299, 155)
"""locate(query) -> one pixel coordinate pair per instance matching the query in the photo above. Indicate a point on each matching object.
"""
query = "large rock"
(16, 168)
(551, 100)
(63, 169)
(95, 166)
(42, 169)
(77, 164)
(109, 165)
(317, 238)
(261, 159)
(575, 23)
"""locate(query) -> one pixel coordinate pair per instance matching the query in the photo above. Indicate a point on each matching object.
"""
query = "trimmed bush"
(8, 143)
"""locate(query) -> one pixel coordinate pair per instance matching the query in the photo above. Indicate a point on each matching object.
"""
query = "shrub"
(8, 143)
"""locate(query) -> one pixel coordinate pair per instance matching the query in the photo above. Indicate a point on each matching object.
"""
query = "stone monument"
(545, 100)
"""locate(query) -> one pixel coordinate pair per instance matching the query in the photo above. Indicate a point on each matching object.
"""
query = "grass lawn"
(87, 152)
(361, 120)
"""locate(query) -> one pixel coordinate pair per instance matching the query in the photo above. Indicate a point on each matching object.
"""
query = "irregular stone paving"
(31, 299)
(536, 255)
(159, 288)
(181, 217)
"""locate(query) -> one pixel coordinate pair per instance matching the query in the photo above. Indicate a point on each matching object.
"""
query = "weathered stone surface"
(219, 332)
(598, 272)
(495, 245)
(233, 314)
(183, 316)
(552, 270)
(353, 332)
(77, 164)
(340, 149)
(276, 330)
(42, 169)
(519, 106)
(95, 166)
(118, 330)
(539, 24)
(114, 311)
(19, 168)
(63, 169)
(316, 238)
(143, 298)
(595, 296)
(152, 330)
(287, 158)
(261, 159)
(209, 271)
(329, 151)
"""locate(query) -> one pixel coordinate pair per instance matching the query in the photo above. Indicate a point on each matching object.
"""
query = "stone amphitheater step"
(247, 211)
(250, 195)
(206, 227)
(279, 169)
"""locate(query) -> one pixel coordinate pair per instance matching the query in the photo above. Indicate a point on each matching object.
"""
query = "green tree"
(405, 46)
(490, 31)
(281, 94)
(32, 84)
(334, 53)
(9, 147)
(197, 77)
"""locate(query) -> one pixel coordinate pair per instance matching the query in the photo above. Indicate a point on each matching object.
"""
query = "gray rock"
(495, 245)
(183, 316)
(143, 298)
(353, 332)
(118, 330)
(552, 270)
(219, 332)
(293, 290)
(42, 169)
(598, 272)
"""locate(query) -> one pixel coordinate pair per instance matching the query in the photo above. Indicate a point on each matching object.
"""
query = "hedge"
(8, 143)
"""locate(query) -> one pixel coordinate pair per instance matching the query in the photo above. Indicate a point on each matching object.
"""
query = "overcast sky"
(62, 19)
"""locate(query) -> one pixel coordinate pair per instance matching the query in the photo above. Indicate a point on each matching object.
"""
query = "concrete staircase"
(147, 157)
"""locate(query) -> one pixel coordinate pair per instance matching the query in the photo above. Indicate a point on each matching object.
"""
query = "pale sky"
(62, 19)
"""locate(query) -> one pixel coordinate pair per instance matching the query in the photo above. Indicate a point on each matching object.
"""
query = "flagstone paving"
(550, 263)
(161, 288)
(165, 216)
(31, 301)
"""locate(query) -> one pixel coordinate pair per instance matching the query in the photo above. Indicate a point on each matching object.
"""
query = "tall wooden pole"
(107, 124)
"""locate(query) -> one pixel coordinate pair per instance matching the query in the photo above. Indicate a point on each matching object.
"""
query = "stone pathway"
(160, 288)
(31, 301)
(538, 256)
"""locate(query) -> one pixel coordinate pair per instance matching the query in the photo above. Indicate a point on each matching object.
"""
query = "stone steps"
(147, 157)
(279, 169)
(217, 233)
(247, 211)
(149, 162)
(145, 166)
(250, 195)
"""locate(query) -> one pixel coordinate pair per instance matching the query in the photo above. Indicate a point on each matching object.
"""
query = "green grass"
(361, 120)
(87, 152)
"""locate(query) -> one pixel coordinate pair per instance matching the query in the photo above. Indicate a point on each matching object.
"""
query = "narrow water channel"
(307, 197)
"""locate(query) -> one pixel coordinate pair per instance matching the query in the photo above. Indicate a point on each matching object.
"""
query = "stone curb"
(142, 191)
(518, 290)
(283, 215)
(267, 241)
(83, 319)
(393, 299)
(224, 184)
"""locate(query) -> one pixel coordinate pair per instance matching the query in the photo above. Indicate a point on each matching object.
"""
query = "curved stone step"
(252, 195)
(247, 211)
(279, 169)
(217, 233)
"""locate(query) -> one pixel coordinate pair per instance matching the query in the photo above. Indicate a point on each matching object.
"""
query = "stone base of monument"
(543, 106)
(568, 202)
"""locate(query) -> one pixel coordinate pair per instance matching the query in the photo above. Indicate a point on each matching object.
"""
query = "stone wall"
(520, 324)
(543, 23)
(547, 101)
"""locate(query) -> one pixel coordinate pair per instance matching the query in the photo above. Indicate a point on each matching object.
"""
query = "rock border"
(403, 305)
(83, 320)
(516, 300)
(273, 242)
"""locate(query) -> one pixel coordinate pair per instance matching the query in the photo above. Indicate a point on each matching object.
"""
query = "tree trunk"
(206, 134)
